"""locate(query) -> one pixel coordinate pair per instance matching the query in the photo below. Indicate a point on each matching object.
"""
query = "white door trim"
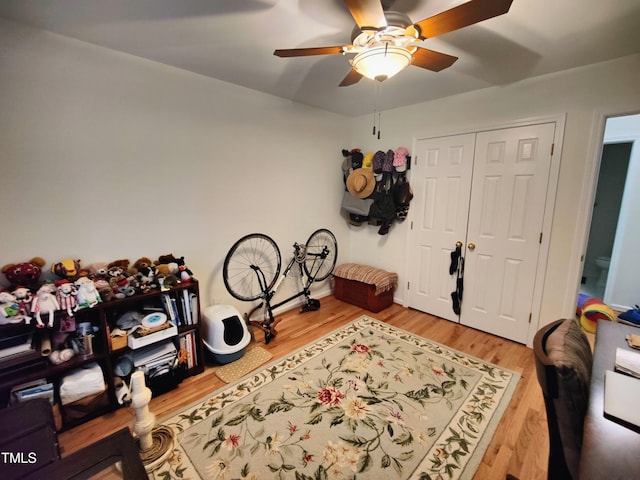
(587, 197)
(552, 187)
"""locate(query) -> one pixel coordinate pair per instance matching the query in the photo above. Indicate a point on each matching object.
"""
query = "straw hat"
(361, 183)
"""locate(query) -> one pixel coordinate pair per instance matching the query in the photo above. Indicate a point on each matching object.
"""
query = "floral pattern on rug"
(367, 401)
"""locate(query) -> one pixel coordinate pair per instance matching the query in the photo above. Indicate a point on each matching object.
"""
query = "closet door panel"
(441, 182)
(508, 193)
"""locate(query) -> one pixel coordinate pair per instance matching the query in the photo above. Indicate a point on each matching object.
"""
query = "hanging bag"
(358, 206)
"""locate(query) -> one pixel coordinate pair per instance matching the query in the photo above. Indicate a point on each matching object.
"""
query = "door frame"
(552, 186)
(587, 197)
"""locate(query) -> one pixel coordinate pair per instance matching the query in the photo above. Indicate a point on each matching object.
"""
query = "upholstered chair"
(563, 362)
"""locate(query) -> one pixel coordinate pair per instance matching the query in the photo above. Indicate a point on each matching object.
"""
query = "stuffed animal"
(118, 281)
(168, 281)
(97, 270)
(45, 302)
(185, 273)
(68, 268)
(88, 295)
(104, 289)
(142, 262)
(66, 293)
(167, 265)
(166, 269)
(60, 356)
(122, 263)
(26, 273)
(8, 308)
(164, 259)
(146, 277)
(24, 297)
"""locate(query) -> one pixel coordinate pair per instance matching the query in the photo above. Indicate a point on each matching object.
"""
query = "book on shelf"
(628, 362)
(21, 346)
(193, 300)
(188, 344)
(186, 307)
(146, 336)
(154, 354)
(38, 389)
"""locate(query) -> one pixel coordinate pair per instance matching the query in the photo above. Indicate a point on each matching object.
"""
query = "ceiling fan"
(385, 42)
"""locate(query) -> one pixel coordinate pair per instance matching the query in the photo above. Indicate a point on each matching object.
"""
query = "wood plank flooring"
(519, 446)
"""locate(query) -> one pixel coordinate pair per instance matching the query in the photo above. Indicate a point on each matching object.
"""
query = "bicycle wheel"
(322, 253)
(251, 267)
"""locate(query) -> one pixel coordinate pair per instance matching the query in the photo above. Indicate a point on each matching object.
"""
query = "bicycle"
(251, 271)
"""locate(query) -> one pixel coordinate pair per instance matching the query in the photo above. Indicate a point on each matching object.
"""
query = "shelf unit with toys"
(28, 370)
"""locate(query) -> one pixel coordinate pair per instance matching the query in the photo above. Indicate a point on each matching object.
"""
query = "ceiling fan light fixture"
(381, 62)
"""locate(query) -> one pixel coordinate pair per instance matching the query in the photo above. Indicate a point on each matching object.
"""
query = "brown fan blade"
(368, 14)
(352, 78)
(461, 16)
(432, 60)
(305, 52)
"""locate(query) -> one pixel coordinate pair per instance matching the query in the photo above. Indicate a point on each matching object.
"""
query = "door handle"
(471, 246)
(458, 243)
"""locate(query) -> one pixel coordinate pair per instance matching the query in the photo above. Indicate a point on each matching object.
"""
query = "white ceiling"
(234, 40)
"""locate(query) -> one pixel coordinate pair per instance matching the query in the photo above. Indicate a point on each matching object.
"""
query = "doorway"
(612, 174)
(613, 231)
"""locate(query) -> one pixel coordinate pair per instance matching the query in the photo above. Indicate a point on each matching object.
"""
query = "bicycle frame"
(268, 325)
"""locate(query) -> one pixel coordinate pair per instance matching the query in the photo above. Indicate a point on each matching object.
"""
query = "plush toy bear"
(26, 273)
(142, 262)
(68, 268)
(123, 263)
(97, 270)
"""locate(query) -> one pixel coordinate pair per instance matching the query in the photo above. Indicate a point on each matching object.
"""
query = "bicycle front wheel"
(322, 253)
(251, 267)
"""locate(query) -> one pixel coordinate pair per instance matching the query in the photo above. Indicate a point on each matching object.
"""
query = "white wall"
(108, 156)
(623, 284)
(581, 94)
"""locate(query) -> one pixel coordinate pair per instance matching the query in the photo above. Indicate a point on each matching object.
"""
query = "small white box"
(137, 342)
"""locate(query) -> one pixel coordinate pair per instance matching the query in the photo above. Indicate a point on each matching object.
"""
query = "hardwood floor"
(519, 446)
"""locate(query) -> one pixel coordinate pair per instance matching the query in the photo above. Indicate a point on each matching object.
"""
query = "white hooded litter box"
(225, 334)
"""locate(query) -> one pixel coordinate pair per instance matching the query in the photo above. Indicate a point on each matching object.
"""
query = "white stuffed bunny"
(45, 302)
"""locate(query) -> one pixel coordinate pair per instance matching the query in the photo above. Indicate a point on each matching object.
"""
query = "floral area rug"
(368, 401)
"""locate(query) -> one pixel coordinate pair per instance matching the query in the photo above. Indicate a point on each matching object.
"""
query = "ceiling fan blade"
(368, 14)
(461, 16)
(305, 52)
(432, 60)
(352, 78)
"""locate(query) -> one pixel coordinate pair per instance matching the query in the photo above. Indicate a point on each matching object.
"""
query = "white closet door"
(510, 179)
(441, 182)
(487, 190)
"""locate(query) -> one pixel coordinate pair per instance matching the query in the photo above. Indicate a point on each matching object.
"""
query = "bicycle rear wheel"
(322, 253)
(251, 267)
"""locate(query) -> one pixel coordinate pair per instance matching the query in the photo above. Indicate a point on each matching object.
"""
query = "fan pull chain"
(376, 107)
